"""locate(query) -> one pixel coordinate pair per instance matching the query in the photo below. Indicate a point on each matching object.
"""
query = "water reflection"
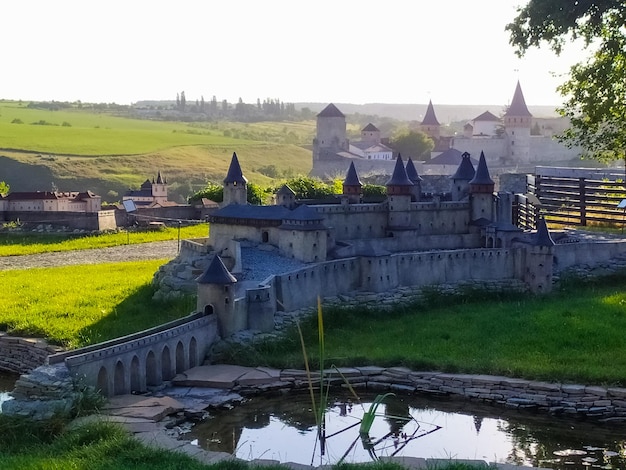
(283, 428)
(7, 383)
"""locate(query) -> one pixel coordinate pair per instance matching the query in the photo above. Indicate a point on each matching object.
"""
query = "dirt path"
(143, 251)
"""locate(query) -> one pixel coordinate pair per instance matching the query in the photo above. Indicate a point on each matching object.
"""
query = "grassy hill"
(78, 149)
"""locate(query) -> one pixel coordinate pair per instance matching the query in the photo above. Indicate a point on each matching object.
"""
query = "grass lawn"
(79, 305)
(574, 335)
(28, 243)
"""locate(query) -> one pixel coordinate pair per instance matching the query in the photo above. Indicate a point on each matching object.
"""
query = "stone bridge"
(135, 362)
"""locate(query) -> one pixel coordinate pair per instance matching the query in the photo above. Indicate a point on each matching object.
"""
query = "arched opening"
(118, 380)
(208, 309)
(103, 381)
(151, 370)
(135, 383)
(193, 353)
(265, 236)
(166, 364)
(180, 358)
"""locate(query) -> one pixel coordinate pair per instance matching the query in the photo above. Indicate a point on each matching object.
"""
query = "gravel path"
(143, 251)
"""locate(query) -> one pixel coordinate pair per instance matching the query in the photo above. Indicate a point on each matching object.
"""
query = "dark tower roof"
(542, 237)
(159, 179)
(330, 111)
(286, 190)
(482, 172)
(234, 174)
(370, 128)
(352, 178)
(518, 104)
(465, 171)
(399, 176)
(216, 273)
(429, 118)
(411, 171)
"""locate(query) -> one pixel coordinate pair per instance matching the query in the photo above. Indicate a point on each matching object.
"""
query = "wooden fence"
(565, 200)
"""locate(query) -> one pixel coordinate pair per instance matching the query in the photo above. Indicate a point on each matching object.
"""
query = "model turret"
(235, 184)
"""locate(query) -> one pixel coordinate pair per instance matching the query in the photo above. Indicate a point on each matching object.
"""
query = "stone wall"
(21, 355)
(92, 221)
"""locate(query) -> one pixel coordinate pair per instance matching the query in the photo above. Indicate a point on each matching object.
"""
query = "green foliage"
(17, 121)
(256, 194)
(595, 92)
(310, 188)
(4, 188)
(374, 190)
(412, 144)
(212, 191)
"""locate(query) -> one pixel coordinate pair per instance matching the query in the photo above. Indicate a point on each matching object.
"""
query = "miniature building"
(150, 194)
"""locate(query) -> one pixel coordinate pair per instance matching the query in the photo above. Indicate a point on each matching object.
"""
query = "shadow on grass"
(135, 313)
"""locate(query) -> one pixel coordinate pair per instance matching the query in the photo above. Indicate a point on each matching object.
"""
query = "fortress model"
(347, 246)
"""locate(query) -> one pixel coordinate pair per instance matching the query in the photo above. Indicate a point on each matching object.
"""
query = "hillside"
(107, 154)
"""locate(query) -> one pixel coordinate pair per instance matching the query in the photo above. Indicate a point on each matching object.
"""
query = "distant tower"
(481, 192)
(460, 180)
(416, 179)
(235, 184)
(399, 189)
(159, 189)
(331, 136)
(430, 126)
(352, 186)
(517, 123)
(540, 260)
(216, 294)
(370, 133)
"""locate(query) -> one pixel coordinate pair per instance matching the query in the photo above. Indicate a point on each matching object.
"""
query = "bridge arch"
(193, 352)
(166, 364)
(119, 382)
(152, 376)
(135, 376)
(180, 357)
(103, 381)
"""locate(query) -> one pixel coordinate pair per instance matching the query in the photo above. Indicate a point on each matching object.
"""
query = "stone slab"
(212, 376)
(151, 408)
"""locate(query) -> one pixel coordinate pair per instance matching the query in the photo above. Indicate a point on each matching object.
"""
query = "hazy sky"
(359, 51)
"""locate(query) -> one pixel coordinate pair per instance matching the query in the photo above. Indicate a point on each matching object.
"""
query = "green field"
(109, 154)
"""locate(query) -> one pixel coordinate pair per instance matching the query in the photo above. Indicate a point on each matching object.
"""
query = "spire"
(352, 179)
(465, 171)
(399, 177)
(234, 174)
(482, 173)
(542, 237)
(216, 273)
(330, 111)
(429, 118)
(518, 104)
(159, 179)
(411, 172)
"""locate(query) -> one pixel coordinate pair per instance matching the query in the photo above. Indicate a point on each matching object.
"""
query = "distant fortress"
(513, 141)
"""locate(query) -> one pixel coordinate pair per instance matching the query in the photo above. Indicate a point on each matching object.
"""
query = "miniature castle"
(347, 245)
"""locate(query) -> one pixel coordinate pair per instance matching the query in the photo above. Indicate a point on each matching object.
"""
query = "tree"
(414, 144)
(595, 92)
(4, 188)
(183, 101)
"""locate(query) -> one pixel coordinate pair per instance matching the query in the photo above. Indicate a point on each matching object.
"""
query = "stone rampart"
(92, 221)
(21, 355)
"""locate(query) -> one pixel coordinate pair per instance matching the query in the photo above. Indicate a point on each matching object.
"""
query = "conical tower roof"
(411, 171)
(286, 190)
(542, 237)
(482, 172)
(331, 111)
(216, 273)
(234, 174)
(465, 171)
(518, 104)
(352, 178)
(399, 176)
(159, 179)
(429, 118)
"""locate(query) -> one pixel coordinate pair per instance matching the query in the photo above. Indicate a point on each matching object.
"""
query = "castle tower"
(286, 197)
(540, 260)
(399, 189)
(235, 184)
(481, 192)
(460, 180)
(216, 294)
(517, 123)
(352, 186)
(411, 172)
(370, 133)
(430, 125)
(331, 136)
(159, 189)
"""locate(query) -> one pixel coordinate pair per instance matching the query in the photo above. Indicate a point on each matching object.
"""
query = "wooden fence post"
(583, 203)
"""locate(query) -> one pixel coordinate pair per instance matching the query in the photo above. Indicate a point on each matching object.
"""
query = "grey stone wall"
(21, 355)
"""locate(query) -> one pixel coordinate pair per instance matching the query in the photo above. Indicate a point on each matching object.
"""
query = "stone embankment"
(21, 355)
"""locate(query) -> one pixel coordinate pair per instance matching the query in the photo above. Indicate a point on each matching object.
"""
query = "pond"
(283, 428)
(7, 383)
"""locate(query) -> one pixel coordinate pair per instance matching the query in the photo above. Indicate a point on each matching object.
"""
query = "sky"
(341, 51)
